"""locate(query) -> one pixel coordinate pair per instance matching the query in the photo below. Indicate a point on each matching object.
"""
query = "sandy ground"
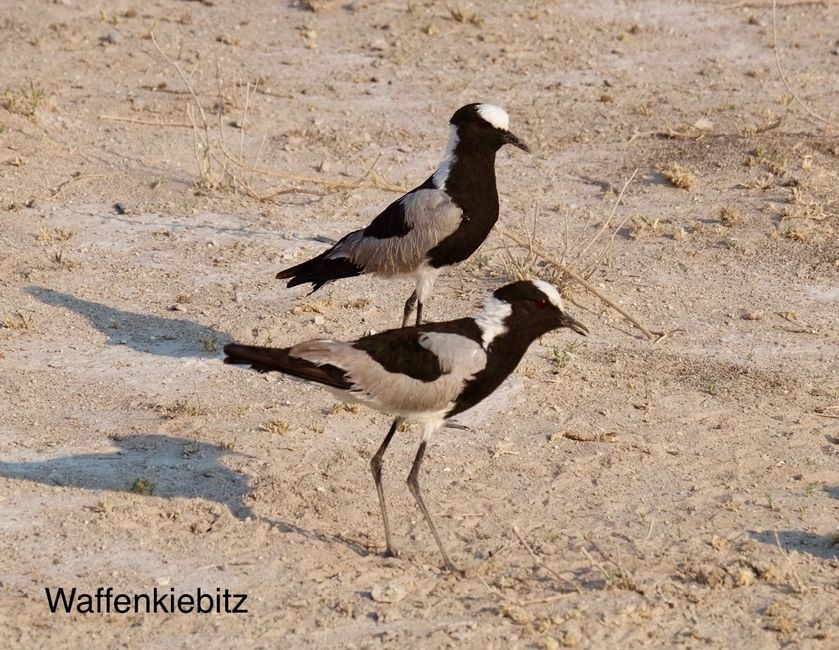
(679, 493)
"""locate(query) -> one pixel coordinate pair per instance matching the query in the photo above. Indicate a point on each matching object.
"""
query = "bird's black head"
(536, 307)
(485, 125)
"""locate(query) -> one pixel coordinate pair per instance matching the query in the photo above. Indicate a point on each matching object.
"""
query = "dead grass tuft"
(642, 227)
(181, 408)
(730, 216)
(678, 175)
(462, 16)
(276, 426)
(18, 321)
(23, 100)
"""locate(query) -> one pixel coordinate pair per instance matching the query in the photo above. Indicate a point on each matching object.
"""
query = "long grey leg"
(409, 307)
(419, 313)
(413, 485)
(376, 466)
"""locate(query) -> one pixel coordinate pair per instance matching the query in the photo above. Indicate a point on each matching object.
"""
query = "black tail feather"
(264, 359)
(320, 270)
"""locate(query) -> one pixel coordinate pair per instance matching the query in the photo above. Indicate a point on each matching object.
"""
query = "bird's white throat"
(491, 319)
(442, 174)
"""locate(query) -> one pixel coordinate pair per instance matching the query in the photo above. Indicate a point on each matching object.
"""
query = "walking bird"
(438, 224)
(427, 373)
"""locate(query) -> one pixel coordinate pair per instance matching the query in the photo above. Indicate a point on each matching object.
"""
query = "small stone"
(392, 592)
(120, 208)
(325, 166)
(757, 314)
(114, 38)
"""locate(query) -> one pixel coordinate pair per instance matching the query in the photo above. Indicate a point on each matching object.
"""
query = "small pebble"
(114, 38)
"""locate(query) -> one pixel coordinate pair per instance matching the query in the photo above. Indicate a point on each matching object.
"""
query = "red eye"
(541, 304)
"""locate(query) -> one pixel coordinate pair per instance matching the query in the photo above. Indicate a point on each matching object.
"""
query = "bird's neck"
(504, 352)
(467, 172)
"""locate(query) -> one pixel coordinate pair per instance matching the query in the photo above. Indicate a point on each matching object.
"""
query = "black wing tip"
(319, 272)
(232, 352)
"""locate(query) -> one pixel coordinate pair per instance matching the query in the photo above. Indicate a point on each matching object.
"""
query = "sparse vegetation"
(644, 226)
(560, 356)
(810, 488)
(730, 216)
(344, 407)
(56, 234)
(142, 486)
(463, 16)
(23, 100)
(276, 426)
(181, 408)
(678, 175)
(103, 506)
(18, 321)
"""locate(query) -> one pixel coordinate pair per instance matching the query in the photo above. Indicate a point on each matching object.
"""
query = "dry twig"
(539, 562)
(137, 120)
(579, 280)
(792, 93)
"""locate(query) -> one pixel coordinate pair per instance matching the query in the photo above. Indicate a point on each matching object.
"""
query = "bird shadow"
(166, 467)
(151, 464)
(168, 337)
(822, 546)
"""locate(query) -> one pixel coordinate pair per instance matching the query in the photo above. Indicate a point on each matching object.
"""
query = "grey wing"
(455, 353)
(460, 359)
(428, 216)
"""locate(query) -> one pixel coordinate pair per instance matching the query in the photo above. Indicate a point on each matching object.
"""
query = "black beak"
(509, 138)
(577, 326)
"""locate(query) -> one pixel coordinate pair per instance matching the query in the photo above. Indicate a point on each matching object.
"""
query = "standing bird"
(438, 224)
(427, 373)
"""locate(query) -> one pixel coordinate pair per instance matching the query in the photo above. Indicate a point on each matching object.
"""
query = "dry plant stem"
(135, 120)
(578, 279)
(788, 3)
(626, 582)
(545, 600)
(609, 218)
(673, 134)
(186, 81)
(595, 564)
(611, 241)
(202, 149)
(540, 563)
(801, 103)
(608, 247)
